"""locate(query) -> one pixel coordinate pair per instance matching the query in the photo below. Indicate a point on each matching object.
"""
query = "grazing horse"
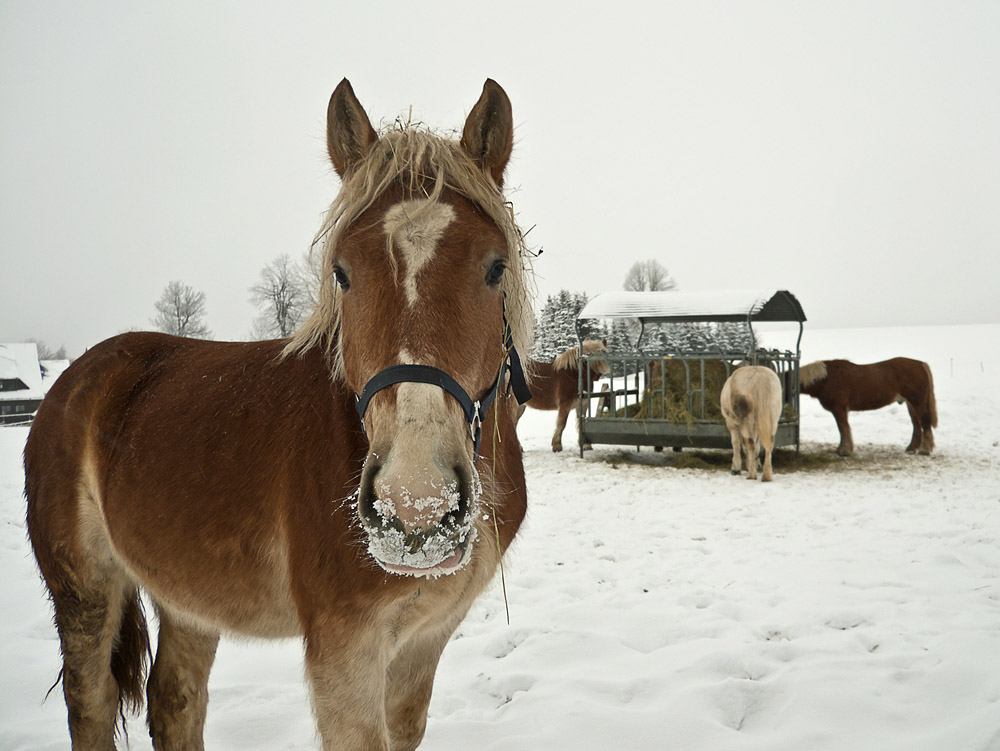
(751, 406)
(842, 386)
(331, 486)
(556, 384)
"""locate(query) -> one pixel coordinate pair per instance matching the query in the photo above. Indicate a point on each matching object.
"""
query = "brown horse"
(556, 384)
(751, 407)
(842, 386)
(236, 485)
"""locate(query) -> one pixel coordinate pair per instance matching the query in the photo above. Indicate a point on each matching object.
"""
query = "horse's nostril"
(367, 497)
(458, 514)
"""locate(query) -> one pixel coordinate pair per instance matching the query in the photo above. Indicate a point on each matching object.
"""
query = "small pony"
(751, 406)
(354, 486)
(842, 386)
(556, 384)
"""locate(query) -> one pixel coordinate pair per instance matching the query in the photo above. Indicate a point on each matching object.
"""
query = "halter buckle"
(476, 422)
(357, 400)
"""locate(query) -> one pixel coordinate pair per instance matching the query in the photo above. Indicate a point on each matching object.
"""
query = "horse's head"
(421, 252)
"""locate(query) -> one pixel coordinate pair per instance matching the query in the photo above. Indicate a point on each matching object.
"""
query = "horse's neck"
(543, 369)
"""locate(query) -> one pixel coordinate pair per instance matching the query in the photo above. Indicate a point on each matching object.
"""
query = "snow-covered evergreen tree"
(619, 335)
(733, 337)
(556, 328)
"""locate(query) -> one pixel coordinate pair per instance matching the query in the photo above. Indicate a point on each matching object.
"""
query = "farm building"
(21, 389)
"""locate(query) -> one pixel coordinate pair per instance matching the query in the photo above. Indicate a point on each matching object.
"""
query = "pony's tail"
(130, 656)
(742, 407)
(930, 395)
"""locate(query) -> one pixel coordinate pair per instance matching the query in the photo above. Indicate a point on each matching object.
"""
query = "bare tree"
(648, 275)
(45, 353)
(282, 295)
(181, 311)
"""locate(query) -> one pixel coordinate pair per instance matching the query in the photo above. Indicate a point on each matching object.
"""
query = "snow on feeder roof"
(721, 305)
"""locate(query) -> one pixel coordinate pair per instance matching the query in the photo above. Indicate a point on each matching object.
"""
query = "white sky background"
(847, 151)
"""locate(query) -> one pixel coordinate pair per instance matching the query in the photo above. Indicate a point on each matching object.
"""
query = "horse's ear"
(488, 135)
(349, 132)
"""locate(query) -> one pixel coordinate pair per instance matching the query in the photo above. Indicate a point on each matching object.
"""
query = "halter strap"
(474, 411)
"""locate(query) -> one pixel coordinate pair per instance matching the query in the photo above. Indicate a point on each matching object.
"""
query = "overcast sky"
(846, 151)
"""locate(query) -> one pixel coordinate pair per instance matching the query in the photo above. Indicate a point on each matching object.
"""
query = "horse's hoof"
(587, 447)
(911, 450)
(735, 471)
(924, 453)
(556, 449)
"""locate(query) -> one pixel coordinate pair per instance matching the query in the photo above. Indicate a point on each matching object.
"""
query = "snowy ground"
(856, 607)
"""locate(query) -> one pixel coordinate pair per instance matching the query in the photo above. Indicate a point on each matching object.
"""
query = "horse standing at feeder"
(242, 487)
(556, 385)
(841, 386)
(751, 406)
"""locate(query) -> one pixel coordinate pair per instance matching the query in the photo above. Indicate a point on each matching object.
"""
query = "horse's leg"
(346, 673)
(98, 615)
(88, 618)
(924, 421)
(561, 425)
(927, 441)
(520, 411)
(734, 435)
(410, 679)
(178, 685)
(750, 446)
(846, 447)
(767, 441)
(918, 433)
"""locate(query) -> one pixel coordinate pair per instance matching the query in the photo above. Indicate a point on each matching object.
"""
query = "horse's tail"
(130, 655)
(932, 401)
(741, 407)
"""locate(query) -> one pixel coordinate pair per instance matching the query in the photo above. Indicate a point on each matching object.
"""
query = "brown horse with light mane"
(555, 385)
(751, 406)
(236, 484)
(842, 386)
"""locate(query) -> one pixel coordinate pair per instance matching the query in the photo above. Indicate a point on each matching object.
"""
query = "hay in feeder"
(668, 385)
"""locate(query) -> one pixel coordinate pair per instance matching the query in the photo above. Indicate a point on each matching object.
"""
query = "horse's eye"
(496, 273)
(341, 278)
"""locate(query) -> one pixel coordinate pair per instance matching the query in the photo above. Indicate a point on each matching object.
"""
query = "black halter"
(475, 411)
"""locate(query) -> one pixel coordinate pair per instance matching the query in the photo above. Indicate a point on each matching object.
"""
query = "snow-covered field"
(854, 608)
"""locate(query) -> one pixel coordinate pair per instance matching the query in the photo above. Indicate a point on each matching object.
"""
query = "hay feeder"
(659, 396)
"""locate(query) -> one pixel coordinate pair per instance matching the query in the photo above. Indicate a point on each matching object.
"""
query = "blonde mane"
(426, 164)
(570, 359)
(811, 373)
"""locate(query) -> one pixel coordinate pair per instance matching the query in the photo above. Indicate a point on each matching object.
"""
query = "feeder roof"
(673, 307)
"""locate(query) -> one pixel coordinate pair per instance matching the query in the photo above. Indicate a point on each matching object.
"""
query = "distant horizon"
(792, 330)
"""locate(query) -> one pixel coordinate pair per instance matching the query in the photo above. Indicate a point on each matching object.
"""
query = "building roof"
(674, 307)
(20, 361)
(51, 370)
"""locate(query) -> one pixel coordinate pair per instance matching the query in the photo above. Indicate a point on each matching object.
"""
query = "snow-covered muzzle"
(419, 526)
